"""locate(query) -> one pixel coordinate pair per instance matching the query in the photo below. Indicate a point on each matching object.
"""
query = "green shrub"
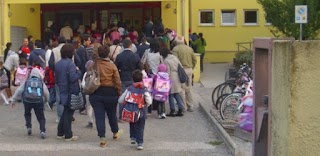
(243, 57)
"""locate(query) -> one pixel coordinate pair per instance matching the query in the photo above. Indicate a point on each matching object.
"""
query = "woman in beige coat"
(172, 63)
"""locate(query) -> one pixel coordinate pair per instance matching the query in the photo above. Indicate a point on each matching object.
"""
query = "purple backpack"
(161, 89)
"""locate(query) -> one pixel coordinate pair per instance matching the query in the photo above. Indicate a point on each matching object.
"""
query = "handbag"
(183, 77)
(144, 61)
(76, 101)
(92, 80)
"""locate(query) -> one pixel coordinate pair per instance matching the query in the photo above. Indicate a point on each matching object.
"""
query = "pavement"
(212, 76)
(191, 134)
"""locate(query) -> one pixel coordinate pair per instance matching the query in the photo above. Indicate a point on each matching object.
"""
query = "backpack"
(33, 90)
(49, 76)
(21, 75)
(4, 81)
(133, 103)
(161, 89)
(147, 82)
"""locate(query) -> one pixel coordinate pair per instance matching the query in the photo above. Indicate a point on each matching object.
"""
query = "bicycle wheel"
(215, 93)
(229, 106)
(219, 100)
(227, 88)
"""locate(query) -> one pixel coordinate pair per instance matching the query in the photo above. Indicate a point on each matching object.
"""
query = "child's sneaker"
(103, 142)
(42, 135)
(163, 116)
(140, 147)
(160, 116)
(29, 131)
(133, 141)
(118, 134)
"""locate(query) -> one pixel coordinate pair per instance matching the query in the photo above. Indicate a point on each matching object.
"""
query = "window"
(206, 17)
(228, 17)
(250, 17)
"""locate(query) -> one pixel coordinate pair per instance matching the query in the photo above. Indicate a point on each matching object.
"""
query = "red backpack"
(49, 76)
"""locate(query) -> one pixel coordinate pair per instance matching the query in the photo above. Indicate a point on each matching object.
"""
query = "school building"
(227, 25)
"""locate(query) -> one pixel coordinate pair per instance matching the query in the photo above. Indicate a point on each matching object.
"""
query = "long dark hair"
(154, 45)
(201, 38)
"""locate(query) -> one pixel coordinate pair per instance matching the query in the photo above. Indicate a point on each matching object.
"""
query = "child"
(161, 89)
(2, 89)
(137, 128)
(32, 93)
(21, 73)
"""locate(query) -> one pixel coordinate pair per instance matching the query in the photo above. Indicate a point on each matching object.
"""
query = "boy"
(137, 128)
(32, 92)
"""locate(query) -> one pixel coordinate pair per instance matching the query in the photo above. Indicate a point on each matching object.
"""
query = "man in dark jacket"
(143, 47)
(82, 53)
(147, 29)
(127, 62)
(38, 55)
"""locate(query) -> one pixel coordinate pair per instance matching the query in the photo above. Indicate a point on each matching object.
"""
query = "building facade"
(223, 23)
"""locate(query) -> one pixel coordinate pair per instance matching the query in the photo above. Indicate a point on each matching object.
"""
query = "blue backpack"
(33, 90)
(133, 103)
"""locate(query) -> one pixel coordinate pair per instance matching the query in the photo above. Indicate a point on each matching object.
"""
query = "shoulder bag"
(183, 77)
(92, 80)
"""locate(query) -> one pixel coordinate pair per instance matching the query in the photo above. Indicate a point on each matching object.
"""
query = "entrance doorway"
(98, 16)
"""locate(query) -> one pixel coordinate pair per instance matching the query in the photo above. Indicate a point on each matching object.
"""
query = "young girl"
(161, 90)
(4, 98)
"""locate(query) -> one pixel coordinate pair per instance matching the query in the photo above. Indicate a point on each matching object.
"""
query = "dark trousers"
(52, 98)
(64, 126)
(38, 110)
(137, 129)
(160, 107)
(102, 105)
(201, 62)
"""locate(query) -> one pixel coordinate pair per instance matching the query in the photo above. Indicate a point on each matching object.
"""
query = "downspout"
(183, 18)
(2, 26)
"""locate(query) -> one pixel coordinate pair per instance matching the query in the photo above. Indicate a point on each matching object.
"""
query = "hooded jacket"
(35, 72)
(35, 57)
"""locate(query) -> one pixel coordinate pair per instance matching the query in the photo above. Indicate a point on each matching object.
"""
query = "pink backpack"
(21, 75)
(161, 89)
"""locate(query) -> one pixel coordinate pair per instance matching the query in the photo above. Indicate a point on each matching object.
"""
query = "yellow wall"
(295, 98)
(224, 38)
(21, 16)
(169, 17)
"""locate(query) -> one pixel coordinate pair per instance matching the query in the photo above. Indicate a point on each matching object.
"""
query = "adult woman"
(6, 51)
(200, 44)
(152, 56)
(10, 64)
(172, 63)
(67, 77)
(114, 50)
(105, 98)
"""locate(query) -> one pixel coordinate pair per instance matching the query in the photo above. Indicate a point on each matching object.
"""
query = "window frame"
(235, 17)
(257, 17)
(213, 17)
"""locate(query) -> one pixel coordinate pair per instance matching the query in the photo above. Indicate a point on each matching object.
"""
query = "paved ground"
(188, 135)
(212, 76)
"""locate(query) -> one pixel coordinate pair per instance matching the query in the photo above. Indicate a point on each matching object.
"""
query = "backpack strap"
(114, 51)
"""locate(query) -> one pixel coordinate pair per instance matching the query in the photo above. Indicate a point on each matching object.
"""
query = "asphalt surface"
(187, 135)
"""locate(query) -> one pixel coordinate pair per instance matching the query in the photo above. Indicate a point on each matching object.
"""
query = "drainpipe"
(2, 26)
(183, 18)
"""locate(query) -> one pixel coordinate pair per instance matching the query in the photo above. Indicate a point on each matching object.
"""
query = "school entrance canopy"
(28, 13)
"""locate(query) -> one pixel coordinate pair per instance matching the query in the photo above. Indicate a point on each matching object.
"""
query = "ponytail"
(201, 37)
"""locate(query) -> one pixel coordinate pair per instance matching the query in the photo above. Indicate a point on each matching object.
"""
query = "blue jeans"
(102, 105)
(178, 99)
(137, 129)
(38, 110)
